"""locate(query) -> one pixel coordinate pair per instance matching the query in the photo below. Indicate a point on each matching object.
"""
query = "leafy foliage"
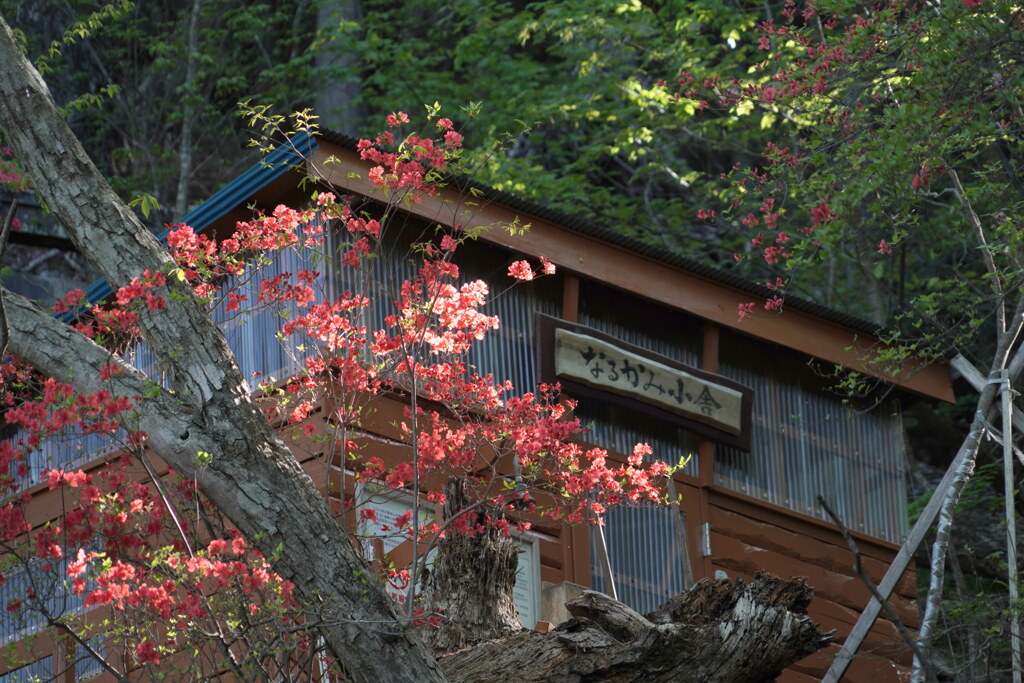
(129, 78)
(900, 158)
(572, 113)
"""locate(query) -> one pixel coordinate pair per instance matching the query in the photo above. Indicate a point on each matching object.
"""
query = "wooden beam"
(647, 277)
(895, 571)
(799, 522)
(571, 298)
(978, 381)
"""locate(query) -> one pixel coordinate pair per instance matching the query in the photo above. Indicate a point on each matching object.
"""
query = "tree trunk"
(470, 584)
(338, 100)
(717, 631)
(253, 477)
(189, 113)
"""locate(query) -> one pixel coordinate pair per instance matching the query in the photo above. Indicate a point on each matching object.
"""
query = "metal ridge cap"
(254, 178)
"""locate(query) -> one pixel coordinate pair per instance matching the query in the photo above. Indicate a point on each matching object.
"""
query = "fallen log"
(719, 630)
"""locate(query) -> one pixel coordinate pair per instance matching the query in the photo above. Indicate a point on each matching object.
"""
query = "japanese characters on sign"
(602, 365)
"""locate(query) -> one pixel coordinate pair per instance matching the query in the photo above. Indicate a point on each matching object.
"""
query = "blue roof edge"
(255, 178)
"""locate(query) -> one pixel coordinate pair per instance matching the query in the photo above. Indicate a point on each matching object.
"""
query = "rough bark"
(716, 631)
(253, 477)
(470, 584)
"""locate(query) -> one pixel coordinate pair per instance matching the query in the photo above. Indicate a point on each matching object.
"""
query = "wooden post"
(894, 573)
(570, 298)
(576, 539)
(606, 562)
(1011, 522)
(706, 449)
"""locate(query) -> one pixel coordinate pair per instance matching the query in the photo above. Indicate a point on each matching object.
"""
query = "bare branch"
(5, 333)
(979, 231)
(83, 643)
(893, 617)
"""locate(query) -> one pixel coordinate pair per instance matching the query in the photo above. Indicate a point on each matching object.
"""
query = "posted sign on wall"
(593, 364)
(606, 366)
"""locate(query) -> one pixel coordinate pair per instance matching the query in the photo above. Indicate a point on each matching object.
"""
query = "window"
(389, 505)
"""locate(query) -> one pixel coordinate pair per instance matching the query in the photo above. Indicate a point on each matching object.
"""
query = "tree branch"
(5, 333)
(100, 659)
(967, 457)
(986, 254)
(106, 231)
(859, 569)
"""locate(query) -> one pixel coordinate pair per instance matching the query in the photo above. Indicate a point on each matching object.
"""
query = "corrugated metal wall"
(508, 352)
(806, 442)
(654, 328)
(642, 541)
(251, 335)
(53, 595)
(67, 449)
(619, 429)
(646, 559)
(86, 666)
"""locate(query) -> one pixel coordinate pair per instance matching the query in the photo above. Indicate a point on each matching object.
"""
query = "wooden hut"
(746, 402)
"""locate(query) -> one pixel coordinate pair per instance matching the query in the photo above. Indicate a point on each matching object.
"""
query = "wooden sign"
(602, 365)
(592, 364)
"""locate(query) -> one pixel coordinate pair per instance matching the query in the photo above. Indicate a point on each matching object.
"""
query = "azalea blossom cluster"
(121, 542)
(805, 82)
(12, 177)
(523, 271)
(413, 167)
(43, 407)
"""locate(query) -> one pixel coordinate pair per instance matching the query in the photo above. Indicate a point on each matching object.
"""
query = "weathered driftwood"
(717, 631)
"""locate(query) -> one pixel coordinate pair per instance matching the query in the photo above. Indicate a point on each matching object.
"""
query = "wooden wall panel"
(736, 556)
(865, 667)
(830, 556)
(793, 676)
(883, 634)
(747, 536)
(803, 525)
